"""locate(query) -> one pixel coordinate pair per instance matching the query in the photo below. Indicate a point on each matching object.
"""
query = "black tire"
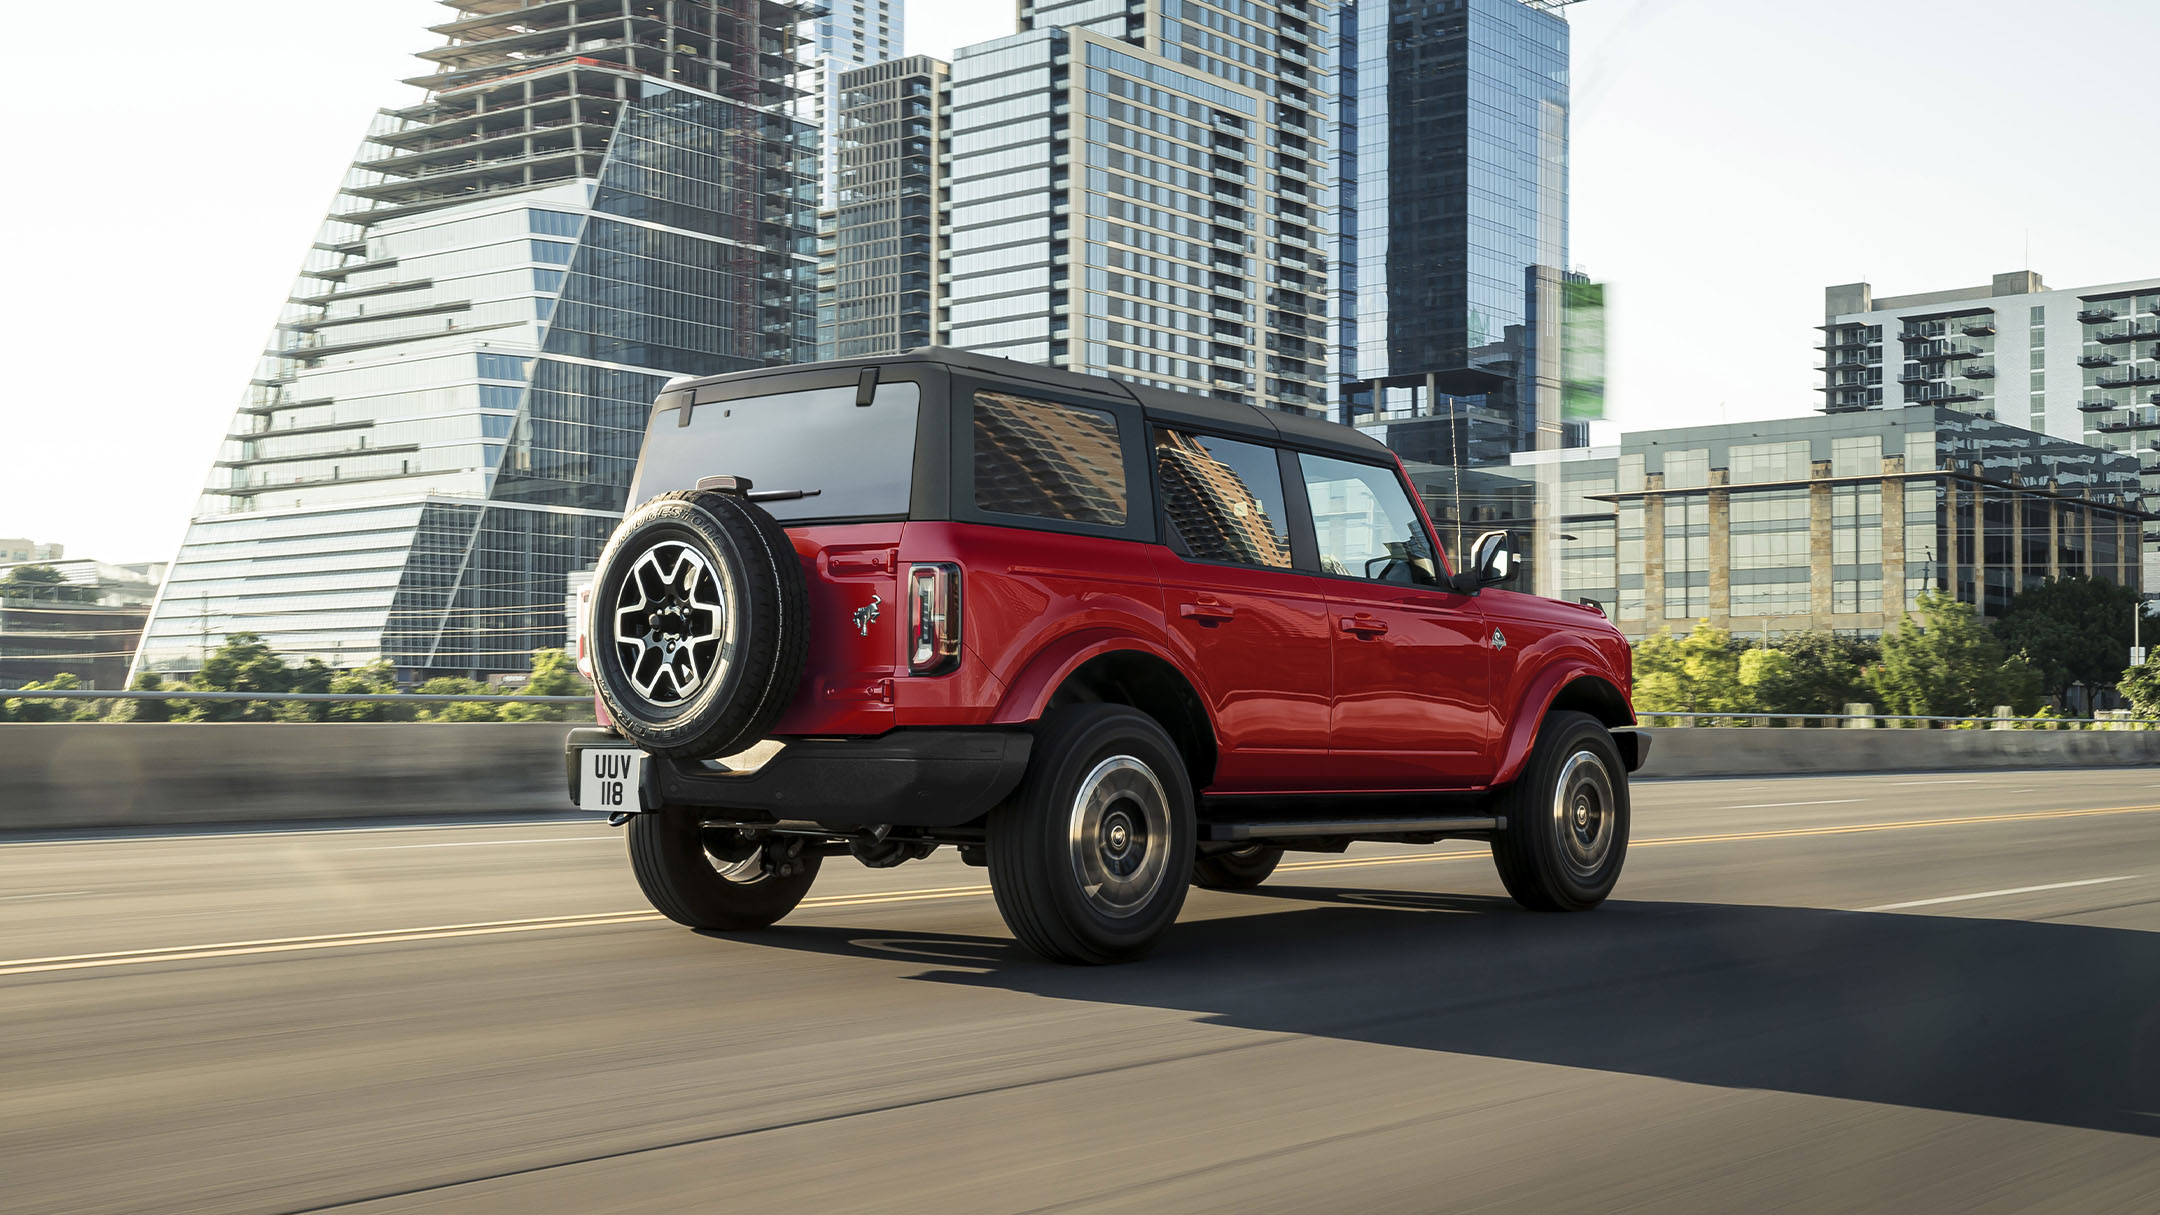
(1137, 822)
(687, 701)
(682, 877)
(1240, 870)
(1567, 818)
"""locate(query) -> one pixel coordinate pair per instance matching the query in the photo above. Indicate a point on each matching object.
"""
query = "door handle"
(1367, 627)
(1207, 612)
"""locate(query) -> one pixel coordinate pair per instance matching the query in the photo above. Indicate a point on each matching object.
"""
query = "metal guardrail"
(411, 698)
(2038, 723)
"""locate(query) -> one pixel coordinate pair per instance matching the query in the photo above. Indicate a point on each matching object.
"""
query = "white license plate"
(608, 778)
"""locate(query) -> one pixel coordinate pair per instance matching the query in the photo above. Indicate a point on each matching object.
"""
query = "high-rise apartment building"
(847, 34)
(877, 270)
(595, 196)
(1146, 189)
(2081, 363)
(1455, 226)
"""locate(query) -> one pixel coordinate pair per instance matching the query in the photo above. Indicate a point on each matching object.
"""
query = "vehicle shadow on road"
(2007, 1018)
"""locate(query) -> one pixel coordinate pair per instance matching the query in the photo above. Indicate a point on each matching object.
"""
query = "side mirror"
(1492, 562)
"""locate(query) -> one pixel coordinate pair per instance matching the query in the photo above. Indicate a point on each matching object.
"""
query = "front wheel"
(1567, 818)
(1090, 858)
(706, 878)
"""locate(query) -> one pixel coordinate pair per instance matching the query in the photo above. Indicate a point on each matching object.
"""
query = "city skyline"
(1687, 155)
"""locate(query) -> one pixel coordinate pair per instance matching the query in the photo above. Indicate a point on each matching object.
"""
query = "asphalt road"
(1861, 993)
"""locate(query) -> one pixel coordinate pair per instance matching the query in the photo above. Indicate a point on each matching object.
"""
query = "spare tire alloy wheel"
(672, 627)
(699, 611)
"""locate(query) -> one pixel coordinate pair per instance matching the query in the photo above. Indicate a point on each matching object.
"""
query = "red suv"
(1102, 638)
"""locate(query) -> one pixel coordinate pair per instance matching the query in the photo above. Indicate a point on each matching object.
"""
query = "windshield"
(860, 458)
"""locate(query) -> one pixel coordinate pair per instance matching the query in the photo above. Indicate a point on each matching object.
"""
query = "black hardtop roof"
(1160, 404)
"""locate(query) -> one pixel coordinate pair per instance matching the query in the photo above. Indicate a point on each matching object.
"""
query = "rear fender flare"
(1028, 694)
(1537, 701)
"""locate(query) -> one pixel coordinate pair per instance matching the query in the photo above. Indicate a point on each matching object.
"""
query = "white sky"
(170, 163)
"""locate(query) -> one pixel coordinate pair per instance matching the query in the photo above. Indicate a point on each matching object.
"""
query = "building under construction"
(594, 196)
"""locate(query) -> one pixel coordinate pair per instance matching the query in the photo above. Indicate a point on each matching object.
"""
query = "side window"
(1047, 460)
(1364, 522)
(1223, 499)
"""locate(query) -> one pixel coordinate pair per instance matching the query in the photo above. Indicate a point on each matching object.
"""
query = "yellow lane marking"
(231, 949)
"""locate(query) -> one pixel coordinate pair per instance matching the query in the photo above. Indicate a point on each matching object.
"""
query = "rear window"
(859, 458)
(1048, 461)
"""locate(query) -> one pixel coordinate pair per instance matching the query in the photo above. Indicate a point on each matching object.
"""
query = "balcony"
(2096, 360)
(1915, 374)
(2099, 405)
(1978, 371)
(2129, 333)
(2096, 316)
(1979, 326)
(2130, 378)
(1922, 332)
(2147, 418)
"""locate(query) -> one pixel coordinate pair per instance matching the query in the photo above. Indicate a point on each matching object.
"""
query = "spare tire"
(699, 626)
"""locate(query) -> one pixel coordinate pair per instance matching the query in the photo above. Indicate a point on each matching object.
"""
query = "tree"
(45, 584)
(42, 709)
(375, 678)
(1699, 673)
(2140, 685)
(1945, 664)
(462, 711)
(245, 663)
(2074, 630)
(554, 673)
(313, 676)
(1823, 673)
(144, 710)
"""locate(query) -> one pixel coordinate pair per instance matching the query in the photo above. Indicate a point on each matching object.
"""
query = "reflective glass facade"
(446, 421)
(878, 287)
(1455, 236)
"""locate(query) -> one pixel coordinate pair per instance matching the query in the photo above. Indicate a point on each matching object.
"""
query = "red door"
(1413, 684)
(1254, 630)
(1259, 640)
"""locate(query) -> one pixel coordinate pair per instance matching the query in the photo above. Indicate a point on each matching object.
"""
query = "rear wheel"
(1089, 859)
(1567, 818)
(1242, 869)
(716, 879)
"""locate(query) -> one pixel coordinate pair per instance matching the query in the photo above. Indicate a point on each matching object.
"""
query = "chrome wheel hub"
(672, 630)
(1120, 836)
(1585, 813)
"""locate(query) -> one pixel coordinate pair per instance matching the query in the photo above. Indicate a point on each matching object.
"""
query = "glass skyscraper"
(1455, 236)
(596, 196)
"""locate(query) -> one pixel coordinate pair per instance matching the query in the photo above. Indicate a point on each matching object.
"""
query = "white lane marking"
(50, 894)
(1935, 782)
(1835, 801)
(294, 830)
(1996, 894)
(546, 839)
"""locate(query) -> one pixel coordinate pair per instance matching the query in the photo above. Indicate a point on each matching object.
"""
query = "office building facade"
(2081, 363)
(1147, 190)
(595, 196)
(843, 36)
(1819, 523)
(877, 269)
(1455, 231)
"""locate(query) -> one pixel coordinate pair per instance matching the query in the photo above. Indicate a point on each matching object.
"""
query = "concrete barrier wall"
(1726, 751)
(65, 776)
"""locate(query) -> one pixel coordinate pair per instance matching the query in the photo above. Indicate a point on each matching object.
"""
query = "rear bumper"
(906, 778)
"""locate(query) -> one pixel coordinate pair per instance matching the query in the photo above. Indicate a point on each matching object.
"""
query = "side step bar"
(1232, 833)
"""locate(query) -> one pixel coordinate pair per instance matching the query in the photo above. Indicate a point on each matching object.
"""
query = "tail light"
(933, 618)
(584, 629)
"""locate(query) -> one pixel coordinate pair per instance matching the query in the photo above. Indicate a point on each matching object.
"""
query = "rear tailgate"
(855, 613)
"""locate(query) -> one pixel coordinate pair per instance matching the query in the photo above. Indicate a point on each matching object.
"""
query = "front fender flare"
(1530, 712)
